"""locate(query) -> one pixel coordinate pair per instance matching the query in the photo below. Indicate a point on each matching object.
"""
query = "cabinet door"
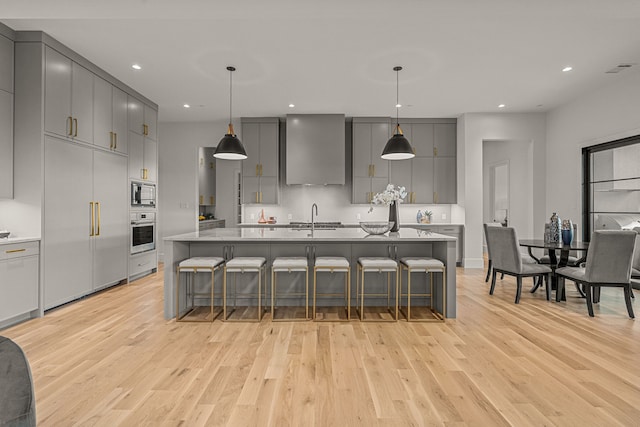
(6, 64)
(444, 178)
(269, 149)
(422, 179)
(57, 95)
(400, 173)
(250, 189)
(445, 139)
(361, 190)
(269, 190)
(361, 151)
(251, 140)
(135, 115)
(18, 286)
(102, 113)
(67, 240)
(151, 120)
(82, 102)
(136, 154)
(119, 121)
(150, 159)
(422, 139)
(6, 145)
(112, 230)
(379, 138)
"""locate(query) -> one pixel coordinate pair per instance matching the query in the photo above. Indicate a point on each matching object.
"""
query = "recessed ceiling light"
(187, 106)
(567, 69)
(501, 106)
(291, 105)
(398, 105)
(136, 67)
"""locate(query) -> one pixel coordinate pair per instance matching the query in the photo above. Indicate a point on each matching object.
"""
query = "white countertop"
(12, 240)
(291, 235)
(347, 225)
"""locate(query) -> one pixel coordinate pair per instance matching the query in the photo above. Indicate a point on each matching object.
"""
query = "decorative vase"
(567, 232)
(555, 227)
(419, 217)
(394, 216)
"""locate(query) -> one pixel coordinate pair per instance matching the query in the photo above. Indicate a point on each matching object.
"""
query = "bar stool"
(244, 265)
(195, 265)
(289, 265)
(424, 265)
(332, 265)
(377, 265)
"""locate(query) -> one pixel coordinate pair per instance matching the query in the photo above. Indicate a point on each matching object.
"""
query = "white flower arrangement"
(391, 194)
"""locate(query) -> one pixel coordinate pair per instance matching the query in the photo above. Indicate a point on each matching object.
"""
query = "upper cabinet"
(6, 118)
(206, 176)
(142, 140)
(68, 109)
(260, 169)
(430, 177)
(370, 171)
(143, 119)
(109, 116)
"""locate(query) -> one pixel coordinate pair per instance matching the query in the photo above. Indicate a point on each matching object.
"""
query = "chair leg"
(547, 285)
(502, 276)
(560, 289)
(486, 279)
(596, 294)
(627, 299)
(493, 282)
(519, 290)
(587, 291)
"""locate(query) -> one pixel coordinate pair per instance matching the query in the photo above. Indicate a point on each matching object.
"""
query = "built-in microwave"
(143, 194)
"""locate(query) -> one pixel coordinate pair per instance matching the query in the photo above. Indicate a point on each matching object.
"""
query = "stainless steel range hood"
(315, 149)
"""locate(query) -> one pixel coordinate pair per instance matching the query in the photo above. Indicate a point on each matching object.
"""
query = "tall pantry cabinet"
(71, 134)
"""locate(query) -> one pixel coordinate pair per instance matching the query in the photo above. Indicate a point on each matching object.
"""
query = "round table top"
(540, 243)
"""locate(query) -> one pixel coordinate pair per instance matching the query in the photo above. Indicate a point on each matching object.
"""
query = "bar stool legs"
(332, 265)
(195, 265)
(430, 266)
(289, 265)
(244, 265)
(378, 265)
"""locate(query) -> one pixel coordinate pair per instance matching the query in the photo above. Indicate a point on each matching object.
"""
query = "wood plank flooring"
(112, 359)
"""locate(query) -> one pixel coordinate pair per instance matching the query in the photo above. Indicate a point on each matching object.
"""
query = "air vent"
(621, 67)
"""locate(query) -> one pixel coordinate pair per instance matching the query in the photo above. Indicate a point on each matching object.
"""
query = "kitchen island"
(350, 243)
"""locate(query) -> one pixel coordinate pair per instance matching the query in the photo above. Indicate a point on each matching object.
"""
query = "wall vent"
(621, 67)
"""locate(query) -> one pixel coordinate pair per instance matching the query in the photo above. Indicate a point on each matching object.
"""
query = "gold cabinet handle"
(14, 251)
(98, 227)
(373, 167)
(435, 151)
(260, 169)
(70, 125)
(257, 169)
(145, 173)
(201, 199)
(111, 140)
(369, 173)
(211, 200)
(93, 212)
(75, 122)
(435, 197)
(261, 197)
(145, 129)
(257, 196)
(115, 141)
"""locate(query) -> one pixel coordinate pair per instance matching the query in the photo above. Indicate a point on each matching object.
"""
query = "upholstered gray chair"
(490, 263)
(635, 266)
(506, 258)
(17, 402)
(608, 264)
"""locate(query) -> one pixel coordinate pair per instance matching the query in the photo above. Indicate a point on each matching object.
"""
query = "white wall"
(605, 114)
(473, 130)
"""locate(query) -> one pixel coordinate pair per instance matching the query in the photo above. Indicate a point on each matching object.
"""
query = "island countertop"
(351, 235)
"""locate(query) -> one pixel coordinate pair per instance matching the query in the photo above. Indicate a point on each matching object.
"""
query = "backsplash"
(334, 204)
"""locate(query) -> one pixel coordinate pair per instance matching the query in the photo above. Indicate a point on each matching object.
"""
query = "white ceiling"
(329, 56)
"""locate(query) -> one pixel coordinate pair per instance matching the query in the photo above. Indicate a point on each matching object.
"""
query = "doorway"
(499, 193)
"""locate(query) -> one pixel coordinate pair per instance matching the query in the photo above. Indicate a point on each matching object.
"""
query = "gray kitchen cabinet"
(150, 160)
(143, 157)
(370, 172)
(6, 145)
(456, 231)
(260, 170)
(68, 98)
(19, 281)
(207, 176)
(85, 234)
(109, 116)
(6, 64)
(445, 143)
(421, 180)
(444, 180)
(142, 118)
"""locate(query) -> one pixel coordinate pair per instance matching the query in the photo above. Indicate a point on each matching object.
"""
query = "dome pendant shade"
(230, 147)
(398, 147)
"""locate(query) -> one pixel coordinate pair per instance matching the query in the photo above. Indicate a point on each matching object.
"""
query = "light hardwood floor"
(113, 360)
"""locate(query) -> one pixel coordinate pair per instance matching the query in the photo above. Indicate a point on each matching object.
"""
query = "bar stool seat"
(245, 265)
(197, 265)
(332, 264)
(423, 265)
(377, 265)
(289, 265)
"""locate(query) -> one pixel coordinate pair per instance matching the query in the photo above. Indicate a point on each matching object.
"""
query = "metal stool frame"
(439, 317)
(347, 289)
(274, 286)
(194, 270)
(262, 271)
(360, 293)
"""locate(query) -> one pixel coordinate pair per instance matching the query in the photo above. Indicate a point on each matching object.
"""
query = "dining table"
(551, 249)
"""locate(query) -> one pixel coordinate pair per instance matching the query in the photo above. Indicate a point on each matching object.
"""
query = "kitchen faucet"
(313, 223)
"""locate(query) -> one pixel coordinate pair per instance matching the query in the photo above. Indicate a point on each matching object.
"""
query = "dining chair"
(608, 264)
(489, 263)
(506, 257)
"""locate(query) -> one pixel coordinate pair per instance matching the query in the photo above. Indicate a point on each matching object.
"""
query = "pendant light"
(397, 147)
(230, 147)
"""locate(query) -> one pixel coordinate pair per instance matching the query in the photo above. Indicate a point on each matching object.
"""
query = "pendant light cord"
(397, 96)
(230, 94)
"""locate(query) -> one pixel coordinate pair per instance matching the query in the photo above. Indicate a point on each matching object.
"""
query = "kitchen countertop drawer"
(141, 263)
(16, 250)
